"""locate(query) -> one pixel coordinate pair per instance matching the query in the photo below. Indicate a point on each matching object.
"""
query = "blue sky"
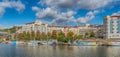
(57, 12)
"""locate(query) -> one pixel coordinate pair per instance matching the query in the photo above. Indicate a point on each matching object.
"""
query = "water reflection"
(58, 51)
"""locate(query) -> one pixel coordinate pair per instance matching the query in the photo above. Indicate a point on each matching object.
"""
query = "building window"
(117, 32)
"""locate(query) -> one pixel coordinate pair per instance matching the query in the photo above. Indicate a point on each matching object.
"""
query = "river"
(7, 50)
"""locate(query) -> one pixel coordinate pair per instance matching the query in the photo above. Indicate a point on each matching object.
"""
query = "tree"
(78, 37)
(86, 35)
(61, 34)
(27, 36)
(38, 35)
(23, 35)
(54, 34)
(49, 35)
(61, 37)
(70, 36)
(43, 36)
(32, 35)
(92, 34)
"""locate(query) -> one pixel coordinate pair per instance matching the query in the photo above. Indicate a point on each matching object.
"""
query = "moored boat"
(85, 43)
(115, 43)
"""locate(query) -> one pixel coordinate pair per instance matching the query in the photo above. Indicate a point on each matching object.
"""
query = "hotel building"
(112, 27)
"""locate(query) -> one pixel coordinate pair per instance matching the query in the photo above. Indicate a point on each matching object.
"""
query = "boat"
(13, 42)
(85, 43)
(33, 43)
(115, 43)
(50, 42)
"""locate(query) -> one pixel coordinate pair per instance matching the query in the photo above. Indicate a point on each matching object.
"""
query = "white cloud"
(65, 17)
(45, 13)
(17, 5)
(35, 9)
(55, 16)
(89, 16)
(93, 4)
(76, 4)
(64, 11)
(117, 13)
(2, 11)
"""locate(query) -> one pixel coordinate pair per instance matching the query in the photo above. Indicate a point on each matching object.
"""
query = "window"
(117, 35)
(117, 32)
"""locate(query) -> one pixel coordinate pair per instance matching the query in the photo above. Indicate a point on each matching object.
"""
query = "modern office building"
(112, 27)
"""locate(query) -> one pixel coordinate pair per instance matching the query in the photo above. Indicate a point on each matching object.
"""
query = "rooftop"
(115, 16)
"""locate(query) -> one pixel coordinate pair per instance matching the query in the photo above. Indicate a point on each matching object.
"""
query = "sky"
(56, 12)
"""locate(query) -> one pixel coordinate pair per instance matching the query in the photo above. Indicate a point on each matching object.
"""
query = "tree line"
(59, 36)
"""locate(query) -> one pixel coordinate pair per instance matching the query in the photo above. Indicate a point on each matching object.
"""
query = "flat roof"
(115, 16)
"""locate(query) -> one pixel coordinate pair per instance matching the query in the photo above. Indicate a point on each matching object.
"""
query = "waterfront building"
(3, 35)
(56, 28)
(77, 30)
(73, 29)
(42, 27)
(112, 27)
(34, 26)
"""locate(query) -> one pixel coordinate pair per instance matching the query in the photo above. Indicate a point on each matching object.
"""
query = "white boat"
(32, 43)
(116, 43)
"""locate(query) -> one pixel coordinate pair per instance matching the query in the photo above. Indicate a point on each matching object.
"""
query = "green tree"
(86, 35)
(92, 34)
(61, 34)
(61, 37)
(70, 36)
(54, 34)
(49, 35)
(27, 36)
(23, 35)
(80, 36)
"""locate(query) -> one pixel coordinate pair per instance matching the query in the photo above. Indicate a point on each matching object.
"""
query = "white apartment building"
(34, 26)
(112, 27)
(39, 26)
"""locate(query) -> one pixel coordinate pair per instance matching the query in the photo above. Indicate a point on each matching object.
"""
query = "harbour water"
(7, 50)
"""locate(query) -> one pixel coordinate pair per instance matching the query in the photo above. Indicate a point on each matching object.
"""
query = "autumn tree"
(70, 35)
(54, 34)
(38, 35)
(43, 36)
(32, 35)
(49, 35)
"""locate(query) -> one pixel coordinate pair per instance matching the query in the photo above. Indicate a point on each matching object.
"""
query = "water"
(58, 51)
